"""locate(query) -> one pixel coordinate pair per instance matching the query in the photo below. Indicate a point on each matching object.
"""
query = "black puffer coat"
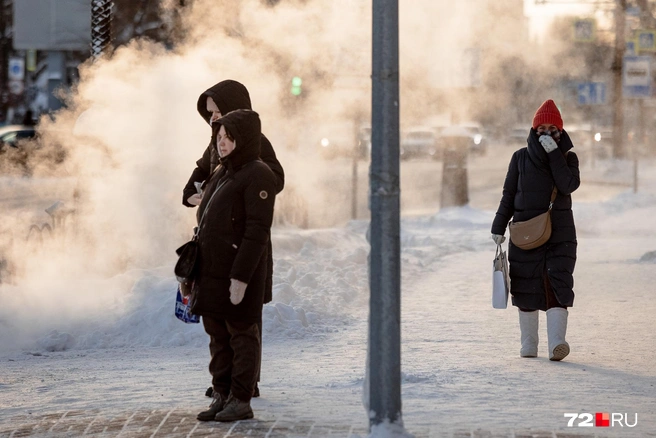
(231, 95)
(234, 234)
(531, 176)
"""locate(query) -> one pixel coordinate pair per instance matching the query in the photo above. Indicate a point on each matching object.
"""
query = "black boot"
(217, 405)
(235, 410)
(209, 392)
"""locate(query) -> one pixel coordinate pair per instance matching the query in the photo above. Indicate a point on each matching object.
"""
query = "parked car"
(519, 134)
(420, 143)
(603, 142)
(339, 139)
(479, 143)
(22, 149)
(476, 143)
(12, 134)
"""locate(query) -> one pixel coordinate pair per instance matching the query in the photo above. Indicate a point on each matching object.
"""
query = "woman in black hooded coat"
(235, 218)
(542, 278)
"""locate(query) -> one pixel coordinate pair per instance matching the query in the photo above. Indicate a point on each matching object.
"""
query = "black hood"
(228, 95)
(537, 153)
(244, 127)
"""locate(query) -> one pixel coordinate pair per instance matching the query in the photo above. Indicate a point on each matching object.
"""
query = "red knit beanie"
(548, 114)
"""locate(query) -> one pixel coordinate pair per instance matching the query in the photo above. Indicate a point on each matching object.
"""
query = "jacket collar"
(536, 152)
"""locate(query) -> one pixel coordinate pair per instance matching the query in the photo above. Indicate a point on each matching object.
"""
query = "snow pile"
(320, 280)
(319, 277)
(56, 341)
(649, 257)
(389, 430)
(611, 217)
(320, 287)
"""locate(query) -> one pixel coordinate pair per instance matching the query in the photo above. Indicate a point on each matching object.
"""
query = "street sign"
(631, 48)
(592, 93)
(16, 87)
(52, 25)
(16, 69)
(636, 79)
(632, 11)
(646, 40)
(584, 30)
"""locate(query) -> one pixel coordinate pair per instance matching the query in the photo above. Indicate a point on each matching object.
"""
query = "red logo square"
(602, 419)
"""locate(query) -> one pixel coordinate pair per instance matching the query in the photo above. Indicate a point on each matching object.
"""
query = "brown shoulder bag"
(534, 232)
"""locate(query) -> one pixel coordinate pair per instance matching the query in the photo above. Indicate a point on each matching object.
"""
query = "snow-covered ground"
(460, 358)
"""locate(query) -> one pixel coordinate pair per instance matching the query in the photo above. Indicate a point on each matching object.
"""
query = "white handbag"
(500, 280)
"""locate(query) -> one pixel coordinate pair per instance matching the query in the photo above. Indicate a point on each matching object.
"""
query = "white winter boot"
(556, 329)
(528, 326)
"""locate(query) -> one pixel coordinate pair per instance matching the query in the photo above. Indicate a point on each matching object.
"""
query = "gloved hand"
(194, 199)
(237, 291)
(498, 238)
(548, 143)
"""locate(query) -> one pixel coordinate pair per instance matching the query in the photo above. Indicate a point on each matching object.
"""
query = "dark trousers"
(552, 301)
(235, 349)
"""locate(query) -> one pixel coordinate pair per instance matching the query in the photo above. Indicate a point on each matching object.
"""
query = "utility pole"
(101, 26)
(384, 357)
(619, 148)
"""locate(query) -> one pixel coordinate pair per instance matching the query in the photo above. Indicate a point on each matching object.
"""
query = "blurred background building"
(43, 42)
(481, 63)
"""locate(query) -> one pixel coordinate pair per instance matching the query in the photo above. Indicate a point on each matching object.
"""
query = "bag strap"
(197, 228)
(554, 193)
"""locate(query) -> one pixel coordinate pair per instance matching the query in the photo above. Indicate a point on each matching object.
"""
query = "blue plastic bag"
(182, 309)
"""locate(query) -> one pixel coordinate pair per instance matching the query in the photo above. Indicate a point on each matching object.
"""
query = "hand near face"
(548, 143)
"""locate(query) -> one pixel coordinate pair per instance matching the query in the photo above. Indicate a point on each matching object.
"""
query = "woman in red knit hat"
(542, 278)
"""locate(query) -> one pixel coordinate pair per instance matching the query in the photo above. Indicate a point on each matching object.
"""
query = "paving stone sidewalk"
(182, 423)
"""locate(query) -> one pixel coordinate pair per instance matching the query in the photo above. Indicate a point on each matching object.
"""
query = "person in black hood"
(231, 276)
(220, 99)
(542, 278)
(226, 96)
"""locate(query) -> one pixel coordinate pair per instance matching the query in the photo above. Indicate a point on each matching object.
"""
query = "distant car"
(590, 141)
(473, 134)
(519, 134)
(419, 143)
(603, 146)
(338, 139)
(582, 135)
(10, 135)
(479, 143)
(21, 147)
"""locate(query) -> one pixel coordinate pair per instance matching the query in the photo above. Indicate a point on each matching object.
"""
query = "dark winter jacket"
(231, 95)
(527, 190)
(234, 233)
(228, 95)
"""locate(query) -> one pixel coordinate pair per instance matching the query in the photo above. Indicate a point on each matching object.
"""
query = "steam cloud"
(132, 135)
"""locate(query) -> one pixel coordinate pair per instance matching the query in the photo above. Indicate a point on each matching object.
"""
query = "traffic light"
(296, 86)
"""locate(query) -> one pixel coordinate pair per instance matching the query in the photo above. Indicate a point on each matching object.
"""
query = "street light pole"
(384, 357)
(619, 148)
